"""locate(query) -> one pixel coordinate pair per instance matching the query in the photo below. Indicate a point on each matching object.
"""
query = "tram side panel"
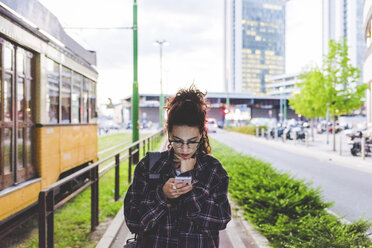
(48, 144)
(78, 146)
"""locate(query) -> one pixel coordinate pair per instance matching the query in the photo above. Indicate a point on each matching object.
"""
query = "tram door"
(16, 160)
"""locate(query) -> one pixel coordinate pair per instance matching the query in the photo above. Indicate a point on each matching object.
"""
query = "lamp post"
(160, 43)
(281, 90)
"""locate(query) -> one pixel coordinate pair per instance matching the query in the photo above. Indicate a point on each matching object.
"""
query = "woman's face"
(185, 140)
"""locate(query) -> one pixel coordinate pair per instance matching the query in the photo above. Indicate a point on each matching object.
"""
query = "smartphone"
(186, 180)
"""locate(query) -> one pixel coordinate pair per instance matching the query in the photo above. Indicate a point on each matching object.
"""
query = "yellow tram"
(47, 104)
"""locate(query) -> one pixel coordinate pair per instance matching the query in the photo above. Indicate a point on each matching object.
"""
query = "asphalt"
(239, 233)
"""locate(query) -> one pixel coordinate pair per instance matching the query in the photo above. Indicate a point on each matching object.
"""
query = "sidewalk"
(321, 150)
(238, 234)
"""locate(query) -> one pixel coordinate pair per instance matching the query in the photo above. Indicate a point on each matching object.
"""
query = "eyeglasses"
(179, 143)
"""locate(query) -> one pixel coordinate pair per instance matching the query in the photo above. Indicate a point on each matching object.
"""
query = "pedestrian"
(164, 213)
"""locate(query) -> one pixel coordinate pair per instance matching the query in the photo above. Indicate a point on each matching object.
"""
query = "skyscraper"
(254, 43)
(344, 19)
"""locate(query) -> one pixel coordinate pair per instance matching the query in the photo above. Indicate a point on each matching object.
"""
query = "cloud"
(193, 28)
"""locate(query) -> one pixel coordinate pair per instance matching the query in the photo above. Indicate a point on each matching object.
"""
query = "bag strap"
(154, 157)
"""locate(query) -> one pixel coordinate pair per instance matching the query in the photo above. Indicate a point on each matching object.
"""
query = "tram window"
(84, 101)
(8, 97)
(66, 95)
(8, 58)
(28, 100)
(28, 147)
(92, 102)
(20, 98)
(28, 64)
(76, 92)
(28, 87)
(53, 91)
(20, 62)
(20, 148)
(7, 150)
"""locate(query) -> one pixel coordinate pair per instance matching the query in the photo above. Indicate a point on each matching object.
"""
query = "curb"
(258, 238)
(112, 231)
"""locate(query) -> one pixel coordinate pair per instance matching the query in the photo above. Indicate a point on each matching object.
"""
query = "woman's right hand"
(172, 190)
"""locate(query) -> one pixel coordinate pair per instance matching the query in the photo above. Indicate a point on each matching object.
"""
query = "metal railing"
(49, 203)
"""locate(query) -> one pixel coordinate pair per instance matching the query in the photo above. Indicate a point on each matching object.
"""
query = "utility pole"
(161, 97)
(135, 95)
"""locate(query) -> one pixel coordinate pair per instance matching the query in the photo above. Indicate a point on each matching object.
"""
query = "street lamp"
(281, 90)
(160, 43)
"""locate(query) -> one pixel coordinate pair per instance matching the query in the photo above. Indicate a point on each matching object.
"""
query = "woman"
(166, 214)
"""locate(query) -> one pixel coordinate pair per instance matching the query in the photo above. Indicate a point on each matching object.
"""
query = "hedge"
(287, 211)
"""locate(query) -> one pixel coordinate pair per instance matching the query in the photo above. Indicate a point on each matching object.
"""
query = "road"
(349, 188)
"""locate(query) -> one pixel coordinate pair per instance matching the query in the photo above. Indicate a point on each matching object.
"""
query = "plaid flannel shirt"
(192, 220)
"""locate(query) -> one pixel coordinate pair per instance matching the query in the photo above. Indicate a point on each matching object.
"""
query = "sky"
(194, 30)
(303, 35)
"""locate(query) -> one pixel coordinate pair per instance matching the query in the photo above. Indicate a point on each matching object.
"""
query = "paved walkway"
(238, 234)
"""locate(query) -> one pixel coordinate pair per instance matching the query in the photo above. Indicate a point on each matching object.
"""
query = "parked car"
(212, 125)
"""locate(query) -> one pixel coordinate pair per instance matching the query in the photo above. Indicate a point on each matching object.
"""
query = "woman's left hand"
(173, 190)
(185, 164)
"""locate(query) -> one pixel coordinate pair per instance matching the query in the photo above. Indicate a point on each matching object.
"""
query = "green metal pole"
(285, 109)
(135, 96)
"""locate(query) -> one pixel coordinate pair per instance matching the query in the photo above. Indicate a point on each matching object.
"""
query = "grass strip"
(287, 211)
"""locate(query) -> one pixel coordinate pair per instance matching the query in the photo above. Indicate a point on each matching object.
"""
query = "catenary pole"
(135, 95)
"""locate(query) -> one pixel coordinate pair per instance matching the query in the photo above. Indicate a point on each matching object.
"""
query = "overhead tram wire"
(98, 28)
(135, 95)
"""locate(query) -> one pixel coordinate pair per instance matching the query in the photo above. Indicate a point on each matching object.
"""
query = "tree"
(343, 92)
(311, 99)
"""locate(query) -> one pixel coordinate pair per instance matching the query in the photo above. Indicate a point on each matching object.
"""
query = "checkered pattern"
(192, 220)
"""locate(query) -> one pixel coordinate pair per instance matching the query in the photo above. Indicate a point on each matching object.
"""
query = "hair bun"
(189, 107)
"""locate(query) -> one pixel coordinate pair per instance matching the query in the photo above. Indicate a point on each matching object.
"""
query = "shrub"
(288, 211)
(248, 129)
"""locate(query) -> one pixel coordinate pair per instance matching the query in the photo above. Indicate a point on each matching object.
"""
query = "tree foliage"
(335, 87)
(343, 93)
(310, 101)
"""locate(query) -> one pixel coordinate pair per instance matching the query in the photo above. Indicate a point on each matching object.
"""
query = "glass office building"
(255, 43)
(344, 19)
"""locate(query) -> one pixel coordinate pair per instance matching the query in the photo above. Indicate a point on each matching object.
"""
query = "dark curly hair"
(189, 107)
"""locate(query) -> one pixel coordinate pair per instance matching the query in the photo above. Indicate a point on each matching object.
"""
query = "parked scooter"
(281, 131)
(356, 146)
(299, 133)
